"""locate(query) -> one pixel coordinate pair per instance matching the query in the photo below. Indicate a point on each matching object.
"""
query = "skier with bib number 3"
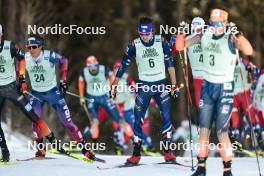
(219, 61)
(153, 56)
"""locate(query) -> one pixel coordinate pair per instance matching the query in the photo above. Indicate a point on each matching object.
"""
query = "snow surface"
(65, 166)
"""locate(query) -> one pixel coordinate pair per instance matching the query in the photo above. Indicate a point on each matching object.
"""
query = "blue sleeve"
(107, 70)
(128, 56)
(231, 45)
(167, 53)
(56, 58)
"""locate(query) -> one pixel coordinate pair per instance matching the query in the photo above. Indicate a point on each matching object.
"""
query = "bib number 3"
(212, 60)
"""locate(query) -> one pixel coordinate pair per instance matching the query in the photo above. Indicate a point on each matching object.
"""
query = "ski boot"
(41, 151)
(168, 155)
(88, 154)
(227, 168)
(201, 170)
(135, 158)
(235, 139)
(5, 155)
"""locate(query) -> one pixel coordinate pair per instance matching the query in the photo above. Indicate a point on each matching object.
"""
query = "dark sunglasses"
(32, 47)
(216, 23)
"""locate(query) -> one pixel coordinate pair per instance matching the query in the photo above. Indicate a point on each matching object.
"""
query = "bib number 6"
(151, 63)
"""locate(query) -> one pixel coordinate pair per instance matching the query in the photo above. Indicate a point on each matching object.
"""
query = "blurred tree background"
(120, 18)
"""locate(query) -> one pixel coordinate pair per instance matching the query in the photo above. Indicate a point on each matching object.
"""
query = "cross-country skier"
(153, 56)
(219, 60)
(10, 56)
(259, 104)
(195, 56)
(196, 59)
(125, 99)
(40, 66)
(241, 93)
(93, 84)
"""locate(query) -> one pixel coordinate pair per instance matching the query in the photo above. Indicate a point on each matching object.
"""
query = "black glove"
(63, 87)
(175, 91)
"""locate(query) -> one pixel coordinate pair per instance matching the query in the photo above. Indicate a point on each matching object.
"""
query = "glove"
(82, 101)
(175, 91)
(234, 29)
(256, 73)
(22, 83)
(63, 87)
(173, 40)
(112, 92)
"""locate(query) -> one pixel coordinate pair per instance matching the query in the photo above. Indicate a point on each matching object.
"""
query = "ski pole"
(87, 113)
(249, 114)
(76, 95)
(28, 93)
(184, 69)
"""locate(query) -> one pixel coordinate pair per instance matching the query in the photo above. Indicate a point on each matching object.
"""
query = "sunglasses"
(32, 47)
(144, 34)
(92, 65)
(216, 23)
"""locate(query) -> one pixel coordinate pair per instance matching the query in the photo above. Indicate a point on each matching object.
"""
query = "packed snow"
(65, 166)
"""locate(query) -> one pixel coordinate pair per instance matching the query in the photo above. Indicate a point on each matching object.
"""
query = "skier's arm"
(128, 56)
(169, 61)
(243, 44)
(81, 85)
(63, 61)
(19, 54)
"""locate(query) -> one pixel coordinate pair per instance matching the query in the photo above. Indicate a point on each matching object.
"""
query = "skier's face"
(34, 50)
(218, 27)
(146, 37)
(93, 68)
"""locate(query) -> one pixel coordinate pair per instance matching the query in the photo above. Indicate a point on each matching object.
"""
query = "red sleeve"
(130, 81)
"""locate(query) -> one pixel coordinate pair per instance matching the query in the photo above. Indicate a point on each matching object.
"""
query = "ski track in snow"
(64, 166)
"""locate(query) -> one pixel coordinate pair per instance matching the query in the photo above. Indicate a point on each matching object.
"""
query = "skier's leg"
(92, 106)
(235, 120)
(21, 101)
(37, 107)
(3, 145)
(197, 91)
(235, 124)
(163, 101)
(205, 122)
(111, 108)
(59, 104)
(223, 116)
(141, 105)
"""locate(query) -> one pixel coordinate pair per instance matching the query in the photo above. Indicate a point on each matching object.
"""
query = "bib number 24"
(39, 77)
